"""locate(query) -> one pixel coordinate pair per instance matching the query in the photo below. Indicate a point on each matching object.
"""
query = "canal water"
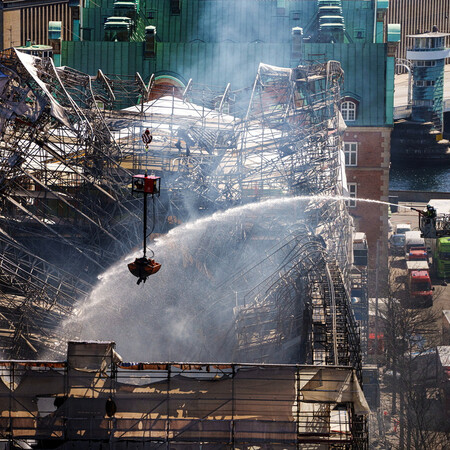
(419, 177)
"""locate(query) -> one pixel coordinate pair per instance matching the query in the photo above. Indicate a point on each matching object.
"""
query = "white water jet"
(173, 316)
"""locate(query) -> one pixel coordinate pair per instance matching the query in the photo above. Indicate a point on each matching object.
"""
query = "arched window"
(348, 110)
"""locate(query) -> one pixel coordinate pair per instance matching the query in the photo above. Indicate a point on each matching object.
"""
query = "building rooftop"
(35, 47)
(435, 34)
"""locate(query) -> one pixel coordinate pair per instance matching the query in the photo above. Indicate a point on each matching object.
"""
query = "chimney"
(297, 39)
(150, 42)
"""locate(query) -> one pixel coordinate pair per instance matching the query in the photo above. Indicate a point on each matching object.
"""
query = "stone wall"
(418, 196)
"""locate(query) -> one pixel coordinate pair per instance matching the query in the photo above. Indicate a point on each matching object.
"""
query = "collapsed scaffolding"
(67, 156)
(63, 205)
(286, 142)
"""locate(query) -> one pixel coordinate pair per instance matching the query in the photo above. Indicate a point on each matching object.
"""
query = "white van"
(402, 228)
(413, 239)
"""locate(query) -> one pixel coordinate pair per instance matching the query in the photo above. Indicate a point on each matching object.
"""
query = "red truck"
(419, 283)
(417, 254)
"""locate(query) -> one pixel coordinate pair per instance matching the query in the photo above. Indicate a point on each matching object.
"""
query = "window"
(348, 110)
(423, 102)
(150, 42)
(175, 7)
(424, 43)
(351, 153)
(423, 83)
(351, 188)
(87, 34)
(425, 63)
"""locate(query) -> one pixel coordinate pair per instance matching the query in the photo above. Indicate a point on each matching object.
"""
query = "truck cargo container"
(416, 265)
(360, 249)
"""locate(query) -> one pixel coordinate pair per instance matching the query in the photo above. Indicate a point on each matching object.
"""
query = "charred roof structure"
(67, 157)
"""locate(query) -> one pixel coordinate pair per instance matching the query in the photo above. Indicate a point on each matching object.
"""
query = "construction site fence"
(235, 405)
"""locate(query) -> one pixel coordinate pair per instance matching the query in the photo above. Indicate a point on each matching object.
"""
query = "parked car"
(397, 244)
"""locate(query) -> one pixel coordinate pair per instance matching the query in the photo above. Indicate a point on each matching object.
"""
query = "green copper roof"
(117, 24)
(35, 47)
(170, 77)
(382, 4)
(219, 41)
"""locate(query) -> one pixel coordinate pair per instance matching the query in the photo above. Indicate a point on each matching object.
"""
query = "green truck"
(441, 256)
(436, 232)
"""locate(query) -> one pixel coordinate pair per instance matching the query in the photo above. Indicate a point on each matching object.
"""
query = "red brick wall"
(372, 176)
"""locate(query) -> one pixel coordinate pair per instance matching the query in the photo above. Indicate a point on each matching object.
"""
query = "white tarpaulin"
(29, 62)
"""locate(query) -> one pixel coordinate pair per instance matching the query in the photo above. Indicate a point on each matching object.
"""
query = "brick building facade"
(367, 167)
(27, 20)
